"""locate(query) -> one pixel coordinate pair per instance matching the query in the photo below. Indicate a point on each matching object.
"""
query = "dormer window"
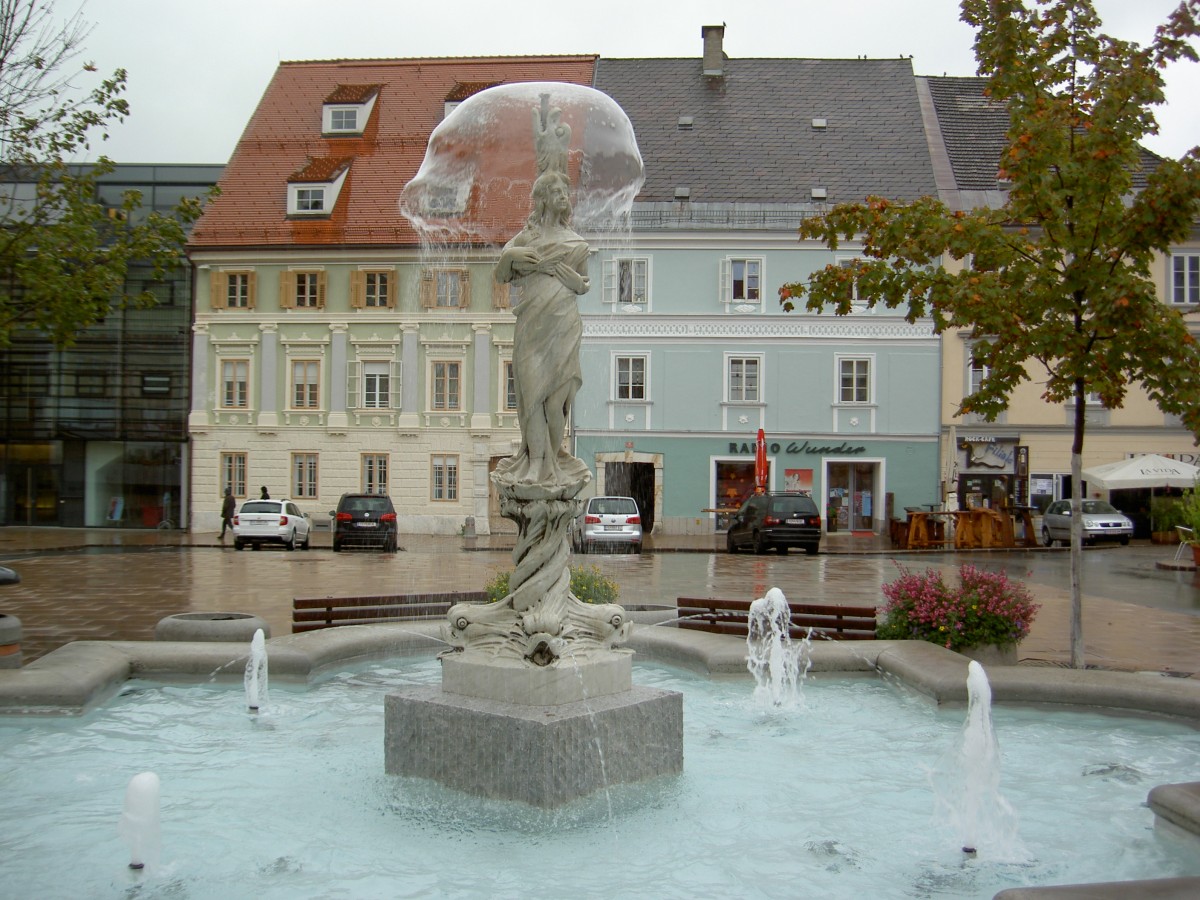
(461, 91)
(313, 191)
(348, 109)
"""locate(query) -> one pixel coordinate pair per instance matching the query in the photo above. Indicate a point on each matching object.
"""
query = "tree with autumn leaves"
(1054, 286)
(63, 254)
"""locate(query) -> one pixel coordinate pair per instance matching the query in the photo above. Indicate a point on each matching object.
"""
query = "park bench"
(311, 613)
(842, 623)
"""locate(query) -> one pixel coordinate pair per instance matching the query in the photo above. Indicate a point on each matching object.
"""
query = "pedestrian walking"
(264, 495)
(228, 505)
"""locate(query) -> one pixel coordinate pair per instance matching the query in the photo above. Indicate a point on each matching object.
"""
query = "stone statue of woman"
(549, 262)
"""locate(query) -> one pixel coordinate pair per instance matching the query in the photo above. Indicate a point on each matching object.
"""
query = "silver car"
(608, 522)
(1101, 522)
(260, 522)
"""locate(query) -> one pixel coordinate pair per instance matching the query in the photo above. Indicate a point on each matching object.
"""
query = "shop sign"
(801, 447)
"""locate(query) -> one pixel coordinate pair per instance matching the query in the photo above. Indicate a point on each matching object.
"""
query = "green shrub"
(1189, 510)
(1167, 512)
(588, 583)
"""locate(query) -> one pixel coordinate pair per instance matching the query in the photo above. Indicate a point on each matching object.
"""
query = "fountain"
(255, 679)
(967, 781)
(538, 677)
(139, 823)
(778, 667)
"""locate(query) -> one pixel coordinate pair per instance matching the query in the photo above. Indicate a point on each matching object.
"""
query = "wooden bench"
(842, 623)
(309, 614)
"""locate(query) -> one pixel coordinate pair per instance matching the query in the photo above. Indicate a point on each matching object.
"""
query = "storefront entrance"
(852, 496)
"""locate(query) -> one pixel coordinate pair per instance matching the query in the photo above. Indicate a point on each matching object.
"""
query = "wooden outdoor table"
(927, 529)
(1025, 514)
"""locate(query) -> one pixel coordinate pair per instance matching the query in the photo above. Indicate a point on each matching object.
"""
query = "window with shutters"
(302, 289)
(373, 289)
(740, 283)
(233, 289)
(627, 282)
(445, 289)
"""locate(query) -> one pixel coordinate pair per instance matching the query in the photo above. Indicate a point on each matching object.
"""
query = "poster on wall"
(798, 480)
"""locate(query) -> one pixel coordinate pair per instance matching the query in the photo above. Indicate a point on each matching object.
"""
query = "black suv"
(364, 520)
(776, 520)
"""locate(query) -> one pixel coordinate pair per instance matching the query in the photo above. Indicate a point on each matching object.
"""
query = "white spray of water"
(139, 823)
(256, 673)
(967, 782)
(778, 666)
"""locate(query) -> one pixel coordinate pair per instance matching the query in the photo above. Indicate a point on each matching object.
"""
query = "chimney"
(714, 55)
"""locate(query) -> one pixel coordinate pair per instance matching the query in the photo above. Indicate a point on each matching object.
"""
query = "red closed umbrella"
(760, 463)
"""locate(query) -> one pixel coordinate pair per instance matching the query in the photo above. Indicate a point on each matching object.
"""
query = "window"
(232, 290)
(852, 285)
(235, 383)
(306, 384)
(446, 382)
(979, 371)
(374, 473)
(1185, 278)
(854, 381)
(510, 387)
(304, 475)
(375, 385)
(310, 199)
(631, 377)
(626, 281)
(745, 280)
(445, 289)
(302, 289)
(233, 473)
(90, 384)
(373, 289)
(445, 478)
(743, 379)
(306, 289)
(343, 119)
(157, 384)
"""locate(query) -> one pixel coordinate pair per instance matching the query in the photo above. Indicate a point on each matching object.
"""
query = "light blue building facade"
(686, 350)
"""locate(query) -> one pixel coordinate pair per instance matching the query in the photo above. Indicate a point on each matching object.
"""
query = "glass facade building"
(96, 434)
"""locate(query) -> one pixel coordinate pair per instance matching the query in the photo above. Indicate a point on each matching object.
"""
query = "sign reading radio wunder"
(800, 447)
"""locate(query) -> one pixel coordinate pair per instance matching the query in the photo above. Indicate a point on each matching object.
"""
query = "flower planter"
(991, 655)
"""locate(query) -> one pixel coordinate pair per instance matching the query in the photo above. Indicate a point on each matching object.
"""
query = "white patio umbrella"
(1149, 471)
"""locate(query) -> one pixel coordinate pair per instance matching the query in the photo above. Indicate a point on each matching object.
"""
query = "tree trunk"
(1077, 661)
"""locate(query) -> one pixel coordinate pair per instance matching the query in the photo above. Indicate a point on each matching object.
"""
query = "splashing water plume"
(138, 825)
(256, 673)
(778, 667)
(967, 781)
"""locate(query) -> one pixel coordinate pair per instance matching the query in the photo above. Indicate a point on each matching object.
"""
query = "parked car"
(364, 520)
(259, 522)
(779, 520)
(1101, 522)
(608, 521)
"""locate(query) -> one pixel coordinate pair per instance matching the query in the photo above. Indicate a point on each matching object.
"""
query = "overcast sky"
(197, 68)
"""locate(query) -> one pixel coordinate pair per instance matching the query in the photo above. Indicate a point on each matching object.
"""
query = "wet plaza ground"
(104, 584)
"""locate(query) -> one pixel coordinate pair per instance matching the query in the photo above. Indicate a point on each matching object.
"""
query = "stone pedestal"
(544, 756)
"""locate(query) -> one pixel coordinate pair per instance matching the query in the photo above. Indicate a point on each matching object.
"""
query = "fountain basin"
(835, 796)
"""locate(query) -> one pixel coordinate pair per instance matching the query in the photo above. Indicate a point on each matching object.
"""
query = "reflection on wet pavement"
(1135, 617)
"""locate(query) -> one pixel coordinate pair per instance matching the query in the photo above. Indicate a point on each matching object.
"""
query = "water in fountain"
(256, 673)
(854, 762)
(777, 665)
(139, 823)
(967, 781)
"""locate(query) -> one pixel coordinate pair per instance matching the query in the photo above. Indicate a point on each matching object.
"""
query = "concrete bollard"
(469, 527)
(10, 642)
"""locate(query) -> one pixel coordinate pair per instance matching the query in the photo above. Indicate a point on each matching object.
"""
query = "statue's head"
(551, 193)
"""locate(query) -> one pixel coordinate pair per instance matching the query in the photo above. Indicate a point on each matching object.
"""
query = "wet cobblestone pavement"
(102, 584)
